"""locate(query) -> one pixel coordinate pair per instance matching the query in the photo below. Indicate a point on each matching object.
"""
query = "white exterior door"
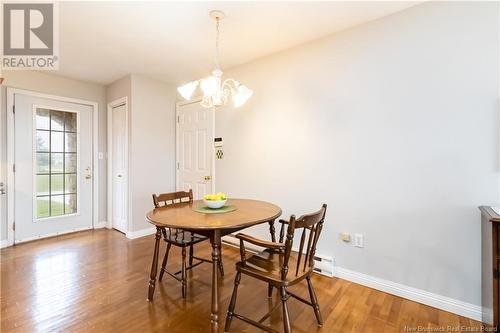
(195, 136)
(119, 172)
(53, 167)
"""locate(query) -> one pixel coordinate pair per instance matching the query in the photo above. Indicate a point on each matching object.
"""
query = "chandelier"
(217, 92)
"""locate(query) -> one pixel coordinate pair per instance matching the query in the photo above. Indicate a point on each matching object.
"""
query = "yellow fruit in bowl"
(216, 200)
(215, 197)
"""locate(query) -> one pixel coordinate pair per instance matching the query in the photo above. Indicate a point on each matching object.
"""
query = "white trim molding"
(194, 100)
(421, 296)
(101, 224)
(53, 234)
(10, 154)
(4, 243)
(140, 233)
(109, 171)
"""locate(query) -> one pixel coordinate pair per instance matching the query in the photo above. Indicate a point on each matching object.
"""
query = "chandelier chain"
(217, 32)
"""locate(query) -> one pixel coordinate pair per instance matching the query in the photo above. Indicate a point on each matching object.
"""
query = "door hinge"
(13, 168)
(14, 226)
(178, 119)
(496, 273)
(13, 109)
(177, 165)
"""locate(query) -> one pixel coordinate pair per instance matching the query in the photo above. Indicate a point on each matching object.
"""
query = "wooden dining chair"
(281, 268)
(180, 238)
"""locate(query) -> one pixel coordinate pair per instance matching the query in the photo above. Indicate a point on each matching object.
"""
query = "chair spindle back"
(169, 199)
(311, 225)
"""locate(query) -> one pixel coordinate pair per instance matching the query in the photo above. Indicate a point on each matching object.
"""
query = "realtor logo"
(29, 36)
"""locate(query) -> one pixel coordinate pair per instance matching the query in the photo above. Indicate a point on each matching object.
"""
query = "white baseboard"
(421, 296)
(29, 239)
(4, 243)
(140, 233)
(101, 224)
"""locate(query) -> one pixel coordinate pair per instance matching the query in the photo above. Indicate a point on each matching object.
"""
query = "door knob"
(119, 176)
(88, 176)
(207, 178)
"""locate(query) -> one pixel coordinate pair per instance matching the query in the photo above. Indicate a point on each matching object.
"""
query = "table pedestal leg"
(215, 239)
(154, 265)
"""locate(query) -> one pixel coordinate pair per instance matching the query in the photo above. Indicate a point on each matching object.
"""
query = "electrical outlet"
(358, 240)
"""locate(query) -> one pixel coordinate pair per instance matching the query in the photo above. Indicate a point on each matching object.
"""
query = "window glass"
(56, 158)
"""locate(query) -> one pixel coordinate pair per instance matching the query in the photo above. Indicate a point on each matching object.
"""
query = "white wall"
(3, 165)
(57, 85)
(118, 89)
(152, 144)
(394, 125)
(151, 141)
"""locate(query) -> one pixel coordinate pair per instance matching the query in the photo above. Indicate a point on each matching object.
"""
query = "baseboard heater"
(322, 264)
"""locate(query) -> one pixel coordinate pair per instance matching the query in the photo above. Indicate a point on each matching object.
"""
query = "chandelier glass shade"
(217, 92)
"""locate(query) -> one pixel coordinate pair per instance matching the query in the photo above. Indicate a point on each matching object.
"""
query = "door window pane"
(70, 163)
(70, 122)
(70, 183)
(57, 120)
(56, 205)
(43, 119)
(56, 142)
(55, 157)
(56, 163)
(70, 204)
(42, 207)
(70, 142)
(42, 185)
(42, 163)
(56, 184)
(42, 140)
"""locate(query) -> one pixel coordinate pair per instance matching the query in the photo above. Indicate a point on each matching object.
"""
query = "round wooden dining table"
(182, 216)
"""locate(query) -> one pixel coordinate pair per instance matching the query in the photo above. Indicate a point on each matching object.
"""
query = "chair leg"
(269, 290)
(191, 255)
(232, 304)
(221, 264)
(164, 263)
(286, 316)
(183, 273)
(314, 301)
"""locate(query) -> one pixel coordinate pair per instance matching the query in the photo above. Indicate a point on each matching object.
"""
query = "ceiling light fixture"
(215, 91)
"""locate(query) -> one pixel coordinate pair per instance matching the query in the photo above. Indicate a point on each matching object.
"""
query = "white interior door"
(119, 172)
(53, 167)
(195, 135)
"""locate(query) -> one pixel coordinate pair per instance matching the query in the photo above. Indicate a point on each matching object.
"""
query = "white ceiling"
(174, 41)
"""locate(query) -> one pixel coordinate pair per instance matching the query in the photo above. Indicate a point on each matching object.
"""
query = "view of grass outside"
(56, 158)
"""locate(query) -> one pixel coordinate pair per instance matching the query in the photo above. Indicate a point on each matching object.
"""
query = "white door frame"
(111, 105)
(212, 152)
(4, 242)
(11, 154)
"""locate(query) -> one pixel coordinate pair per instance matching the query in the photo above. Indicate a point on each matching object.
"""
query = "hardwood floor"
(97, 281)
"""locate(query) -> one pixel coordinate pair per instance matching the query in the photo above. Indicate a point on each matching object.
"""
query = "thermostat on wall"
(218, 142)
